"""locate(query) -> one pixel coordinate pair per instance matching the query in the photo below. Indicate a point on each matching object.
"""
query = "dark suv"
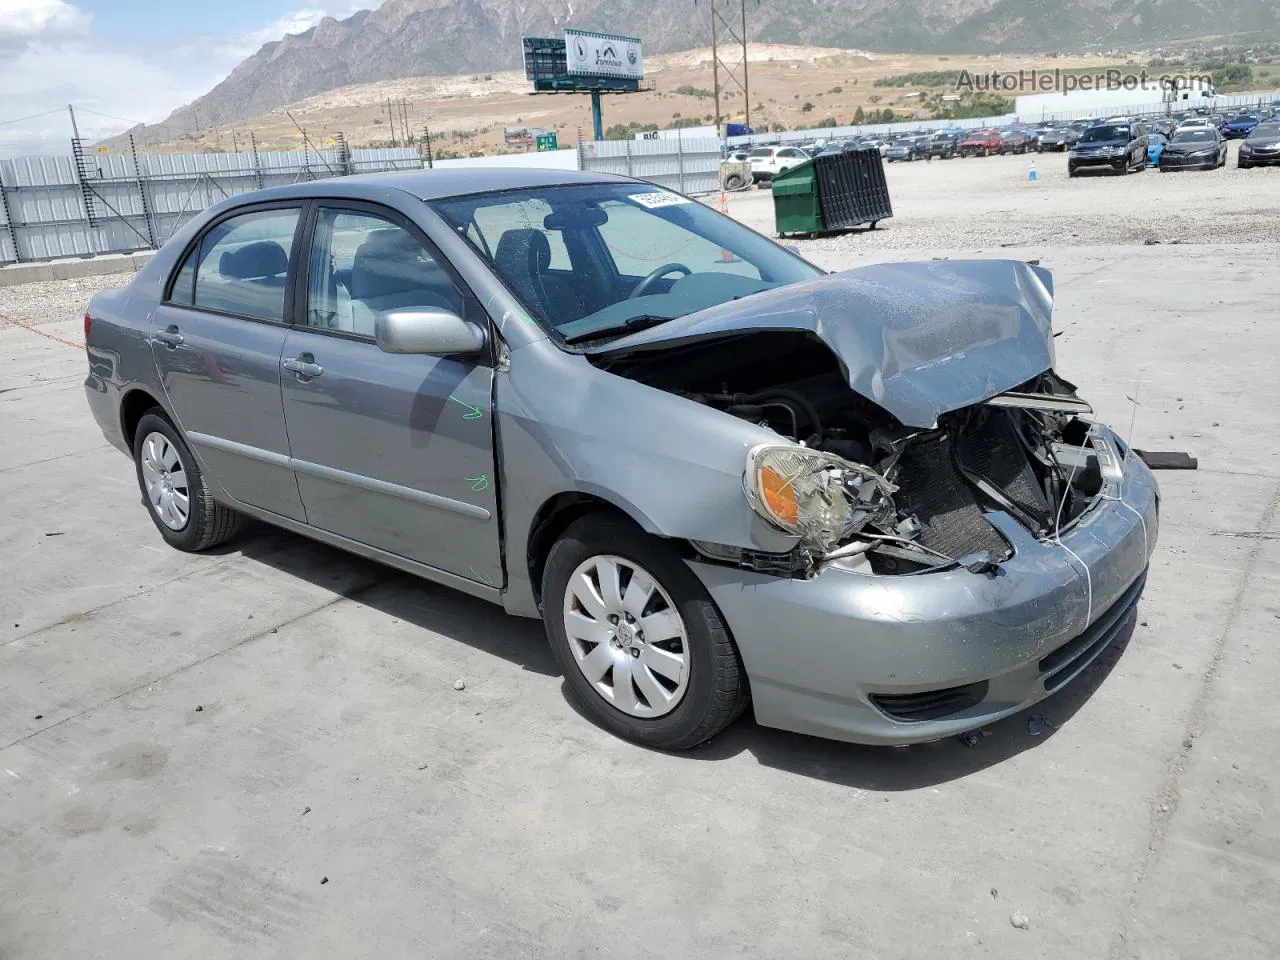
(1116, 145)
(944, 146)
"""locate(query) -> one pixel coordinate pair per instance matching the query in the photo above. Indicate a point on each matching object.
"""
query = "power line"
(34, 116)
(98, 113)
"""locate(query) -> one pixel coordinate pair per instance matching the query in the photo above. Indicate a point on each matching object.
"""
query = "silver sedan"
(863, 505)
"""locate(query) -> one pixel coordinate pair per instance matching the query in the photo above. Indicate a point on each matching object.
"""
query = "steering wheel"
(643, 286)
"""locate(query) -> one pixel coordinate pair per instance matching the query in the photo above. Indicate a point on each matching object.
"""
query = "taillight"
(88, 321)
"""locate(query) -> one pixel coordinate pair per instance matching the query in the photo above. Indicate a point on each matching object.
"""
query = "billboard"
(603, 55)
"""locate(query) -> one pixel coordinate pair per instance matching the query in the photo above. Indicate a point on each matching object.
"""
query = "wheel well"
(553, 519)
(134, 405)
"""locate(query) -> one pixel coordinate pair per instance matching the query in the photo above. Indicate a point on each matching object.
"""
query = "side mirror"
(427, 330)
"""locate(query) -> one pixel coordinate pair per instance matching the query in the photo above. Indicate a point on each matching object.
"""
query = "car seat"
(523, 259)
(391, 269)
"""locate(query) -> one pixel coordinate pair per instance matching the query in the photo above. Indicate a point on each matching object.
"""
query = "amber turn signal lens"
(779, 496)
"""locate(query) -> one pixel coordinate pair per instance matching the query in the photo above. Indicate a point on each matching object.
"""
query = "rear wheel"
(734, 182)
(640, 644)
(174, 489)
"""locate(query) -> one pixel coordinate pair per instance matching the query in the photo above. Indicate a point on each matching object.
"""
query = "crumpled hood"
(917, 338)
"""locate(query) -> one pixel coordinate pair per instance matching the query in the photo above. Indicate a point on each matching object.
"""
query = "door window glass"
(184, 283)
(362, 264)
(244, 264)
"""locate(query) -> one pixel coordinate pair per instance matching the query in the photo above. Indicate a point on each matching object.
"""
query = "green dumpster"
(831, 193)
(796, 206)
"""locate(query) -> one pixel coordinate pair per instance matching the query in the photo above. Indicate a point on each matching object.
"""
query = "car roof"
(432, 184)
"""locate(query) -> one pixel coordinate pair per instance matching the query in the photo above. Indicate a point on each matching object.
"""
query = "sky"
(121, 62)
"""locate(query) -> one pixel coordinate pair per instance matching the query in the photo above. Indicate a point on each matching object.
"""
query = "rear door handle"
(303, 368)
(170, 336)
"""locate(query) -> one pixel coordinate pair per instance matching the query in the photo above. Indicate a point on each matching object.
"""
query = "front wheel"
(640, 644)
(174, 490)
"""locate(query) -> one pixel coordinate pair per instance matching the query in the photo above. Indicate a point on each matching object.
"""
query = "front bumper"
(896, 660)
(1168, 162)
(1119, 163)
(1258, 157)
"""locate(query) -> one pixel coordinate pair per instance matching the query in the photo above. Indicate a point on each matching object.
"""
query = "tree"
(827, 122)
(859, 117)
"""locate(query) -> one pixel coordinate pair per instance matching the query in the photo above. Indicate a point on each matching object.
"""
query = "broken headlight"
(818, 497)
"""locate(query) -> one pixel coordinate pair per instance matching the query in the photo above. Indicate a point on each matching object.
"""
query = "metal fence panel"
(125, 203)
(688, 166)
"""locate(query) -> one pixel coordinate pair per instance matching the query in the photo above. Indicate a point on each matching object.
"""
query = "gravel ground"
(51, 301)
(988, 202)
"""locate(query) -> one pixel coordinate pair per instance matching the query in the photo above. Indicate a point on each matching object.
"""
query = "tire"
(207, 523)
(733, 182)
(1242, 165)
(712, 690)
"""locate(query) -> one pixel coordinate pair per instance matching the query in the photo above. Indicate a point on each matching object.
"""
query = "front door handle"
(303, 367)
(170, 336)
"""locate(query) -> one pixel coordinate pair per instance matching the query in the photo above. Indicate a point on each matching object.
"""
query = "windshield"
(1244, 118)
(589, 258)
(1265, 131)
(1156, 138)
(1105, 132)
(1197, 135)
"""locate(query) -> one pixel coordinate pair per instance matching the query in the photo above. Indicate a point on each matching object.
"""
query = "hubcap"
(166, 481)
(626, 636)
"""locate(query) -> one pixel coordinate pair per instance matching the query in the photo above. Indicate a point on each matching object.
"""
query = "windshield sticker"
(662, 199)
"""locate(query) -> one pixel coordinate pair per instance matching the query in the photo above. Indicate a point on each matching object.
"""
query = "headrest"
(523, 251)
(391, 262)
(266, 258)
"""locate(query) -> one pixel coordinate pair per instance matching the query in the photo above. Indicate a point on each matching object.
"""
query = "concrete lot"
(191, 745)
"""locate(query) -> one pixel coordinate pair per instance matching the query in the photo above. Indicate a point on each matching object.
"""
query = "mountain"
(405, 38)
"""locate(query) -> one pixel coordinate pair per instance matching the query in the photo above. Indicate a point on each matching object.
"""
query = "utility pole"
(75, 131)
(746, 90)
(391, 119)
(735, 38)
(715, 64)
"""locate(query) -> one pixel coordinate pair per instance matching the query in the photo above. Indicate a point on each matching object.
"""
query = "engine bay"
(915, 500)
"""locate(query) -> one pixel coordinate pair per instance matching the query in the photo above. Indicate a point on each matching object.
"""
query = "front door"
(217, 339)
(390, 450)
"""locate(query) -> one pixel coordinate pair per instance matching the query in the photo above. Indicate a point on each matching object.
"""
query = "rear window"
(761, 152)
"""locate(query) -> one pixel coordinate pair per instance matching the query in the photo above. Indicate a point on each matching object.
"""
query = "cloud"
(23, 22)
(49, 58)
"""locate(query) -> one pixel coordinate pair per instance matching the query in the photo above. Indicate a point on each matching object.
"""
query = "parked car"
(1240, 126)
(768, 162)
(1194, 123)
(1119, 147)
(872, 143)
(907, 148)
(1057, 139)
(714, 491)
(981, 143)
(944, 146)
(1261, 147)
(1155, 146)
(1015, 140)
(1194, 148)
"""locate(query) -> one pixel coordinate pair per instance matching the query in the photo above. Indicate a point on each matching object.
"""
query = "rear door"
(218, 335)
(390, 450)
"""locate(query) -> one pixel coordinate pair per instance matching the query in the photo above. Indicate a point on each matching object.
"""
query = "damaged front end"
(892, 464)
(857, 486)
